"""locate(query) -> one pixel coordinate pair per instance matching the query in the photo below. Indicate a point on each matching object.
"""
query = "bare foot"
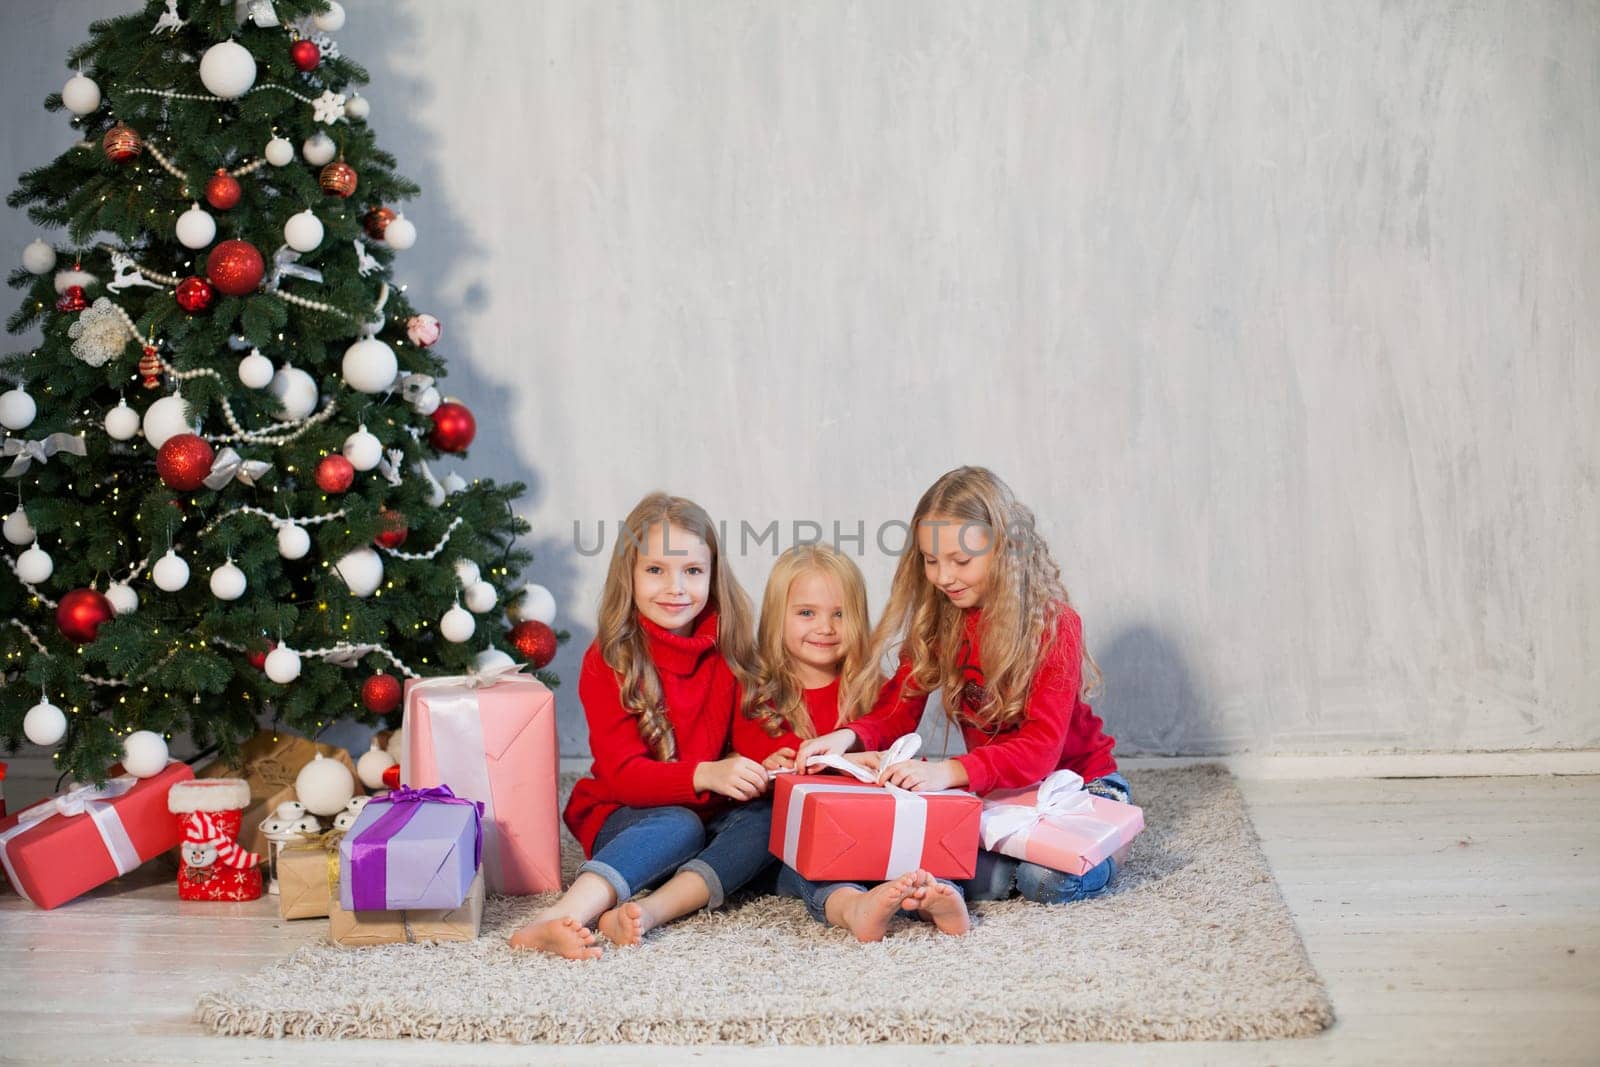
(867, 914)
(561, 935)
(623, 925)
(944, 905)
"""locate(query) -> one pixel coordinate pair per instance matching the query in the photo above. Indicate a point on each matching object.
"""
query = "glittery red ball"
(335, 474)
(380, 694)
(376, 220)
(222, 191)
(394, 531)
(535, 642)
(195, 295)
(80, 614)
(453, 427)
(338, 178)
(306, 55)
(257, 658)
(184, 461)
(235, 267)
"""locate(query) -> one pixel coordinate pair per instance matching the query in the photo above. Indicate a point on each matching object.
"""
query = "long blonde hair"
(622, 640)
(777, 700)
(1022, 605)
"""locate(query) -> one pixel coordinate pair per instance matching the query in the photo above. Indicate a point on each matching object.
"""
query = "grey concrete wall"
(1282, 316)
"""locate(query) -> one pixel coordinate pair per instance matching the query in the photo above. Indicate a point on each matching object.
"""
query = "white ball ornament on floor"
(283, 666)
(363, 450)
(124, 601)
(170, 573)
(44, 724)
(319, 149)
(331, 20)
(362, 571)
(38, 257)
(357, 107)
(122, 422)
(81, 95)
(279, 152)
(303, 232)
(228, 582)
(17, 409)
(535, 602)
(255, 371)
(400, 234)
(369, 366)
(35, 566)
(296, 392)
(293, 541)
(457, 625)
(479, 597)
(144, 754)
(166, 418)
(324, 785)
(196, 228)
(373, 762)
(17, 529)
(228, 70)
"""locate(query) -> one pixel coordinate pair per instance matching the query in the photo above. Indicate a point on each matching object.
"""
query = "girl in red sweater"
(983, 620)
(659, 688)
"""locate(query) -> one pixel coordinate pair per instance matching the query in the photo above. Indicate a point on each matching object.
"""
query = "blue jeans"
(791, 883)
(639, 848)
(995, 877)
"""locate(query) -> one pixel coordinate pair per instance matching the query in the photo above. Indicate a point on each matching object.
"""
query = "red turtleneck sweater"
(1057, 730)
(701, 696)
(751, 739)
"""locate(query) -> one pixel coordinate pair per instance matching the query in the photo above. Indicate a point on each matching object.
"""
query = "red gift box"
(63, 847)
(833, 829)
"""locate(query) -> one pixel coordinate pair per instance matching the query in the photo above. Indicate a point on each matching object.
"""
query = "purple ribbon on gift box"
(369, 853)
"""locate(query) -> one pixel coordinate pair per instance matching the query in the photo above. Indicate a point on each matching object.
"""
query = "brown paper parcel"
(355, 929)
(308, 878)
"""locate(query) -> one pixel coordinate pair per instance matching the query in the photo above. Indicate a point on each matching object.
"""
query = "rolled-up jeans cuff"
(614, 879)
(709, 877)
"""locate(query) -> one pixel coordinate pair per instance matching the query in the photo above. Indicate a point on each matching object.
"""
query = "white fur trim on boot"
(209, 794)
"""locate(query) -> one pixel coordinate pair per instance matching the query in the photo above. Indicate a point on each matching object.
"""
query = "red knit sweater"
(751, 739)
(701, 695)
(1058, 730)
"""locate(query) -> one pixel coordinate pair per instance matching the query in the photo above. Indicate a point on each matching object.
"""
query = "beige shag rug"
(1195, 943)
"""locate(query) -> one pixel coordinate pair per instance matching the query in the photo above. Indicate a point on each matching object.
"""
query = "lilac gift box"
(409, 849)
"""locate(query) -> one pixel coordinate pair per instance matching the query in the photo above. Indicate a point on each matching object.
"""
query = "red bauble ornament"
(73, 299)
(535, 642)
(122, 143)
(335, 474)
(235, 267)
(222, 190)
(195, 295)
(306, 55)
(380, 694)
(394, 531)
(453, 427)
(257, 658)
(376, 220)
(80, 614)
(184, 461)
(338, 178)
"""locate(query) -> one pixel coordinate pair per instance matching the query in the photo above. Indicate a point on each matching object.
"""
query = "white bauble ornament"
(144, 754)
(166, 418)
(319, 149)
(170, 572)
(363, 450)
(373, 762)
(45, 724)
(123, 599)
(279, 152)
(466, 572)
(324, 785)
(453, 483)
(369, 366)
(457, 625)
(228, 582)
(293, 541)
(400, 234)
(17, 409)
(122, 422)
(81, 95)
(35, 566)
(38, 257)
(296, 392)
(282, 666)
(17, 529)
(357, 107)
(331, 20)
(303, 231)
(427, 401)
(537, 603)
(479, 597)
(255, 371)
(196, 228)
(362, 571)
(228, 70)
(491, 658)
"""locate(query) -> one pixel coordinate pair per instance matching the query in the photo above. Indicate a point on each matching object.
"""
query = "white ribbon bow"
(228, 466)
(284, 264)
(42, 449)
(1060, 794)
(91, 800)
(475, 678)
(903, 749)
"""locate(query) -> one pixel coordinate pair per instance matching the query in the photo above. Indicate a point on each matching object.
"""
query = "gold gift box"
(308, 878)
(354, 929)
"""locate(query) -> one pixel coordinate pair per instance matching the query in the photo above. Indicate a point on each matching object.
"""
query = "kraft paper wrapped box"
(1057, 824)
(63, 847)
(308, 878)
(357, 929)
(411, 849)
(269, 761)
(492, 738)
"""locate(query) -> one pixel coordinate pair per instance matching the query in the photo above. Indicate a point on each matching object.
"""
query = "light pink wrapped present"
(1057, 824)
(491, 737)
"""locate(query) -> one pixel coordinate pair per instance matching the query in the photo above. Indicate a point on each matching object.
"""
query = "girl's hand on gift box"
(836, 744)
(868, 761)
(781, 760)
(737, 777)
(922, 776)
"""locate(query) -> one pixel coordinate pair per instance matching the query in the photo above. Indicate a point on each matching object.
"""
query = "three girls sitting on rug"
(673, 681)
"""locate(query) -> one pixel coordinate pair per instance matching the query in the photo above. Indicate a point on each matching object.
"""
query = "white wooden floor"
(1455, 921)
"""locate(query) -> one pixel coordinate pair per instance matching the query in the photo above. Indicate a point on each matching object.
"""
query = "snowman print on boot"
(214, 866)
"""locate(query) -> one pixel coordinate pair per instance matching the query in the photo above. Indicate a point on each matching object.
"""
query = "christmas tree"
(220, 446)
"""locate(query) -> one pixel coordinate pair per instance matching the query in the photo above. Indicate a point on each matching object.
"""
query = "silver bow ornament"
(228, 466)
(26, 452)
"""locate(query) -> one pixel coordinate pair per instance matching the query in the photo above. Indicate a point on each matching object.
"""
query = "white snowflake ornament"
(329, 107)
(99, 335)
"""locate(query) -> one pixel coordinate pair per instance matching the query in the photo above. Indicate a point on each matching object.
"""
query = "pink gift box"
(492, 739)
(1057, 825)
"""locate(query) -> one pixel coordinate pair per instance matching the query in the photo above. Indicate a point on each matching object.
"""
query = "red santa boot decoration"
(214, 866)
